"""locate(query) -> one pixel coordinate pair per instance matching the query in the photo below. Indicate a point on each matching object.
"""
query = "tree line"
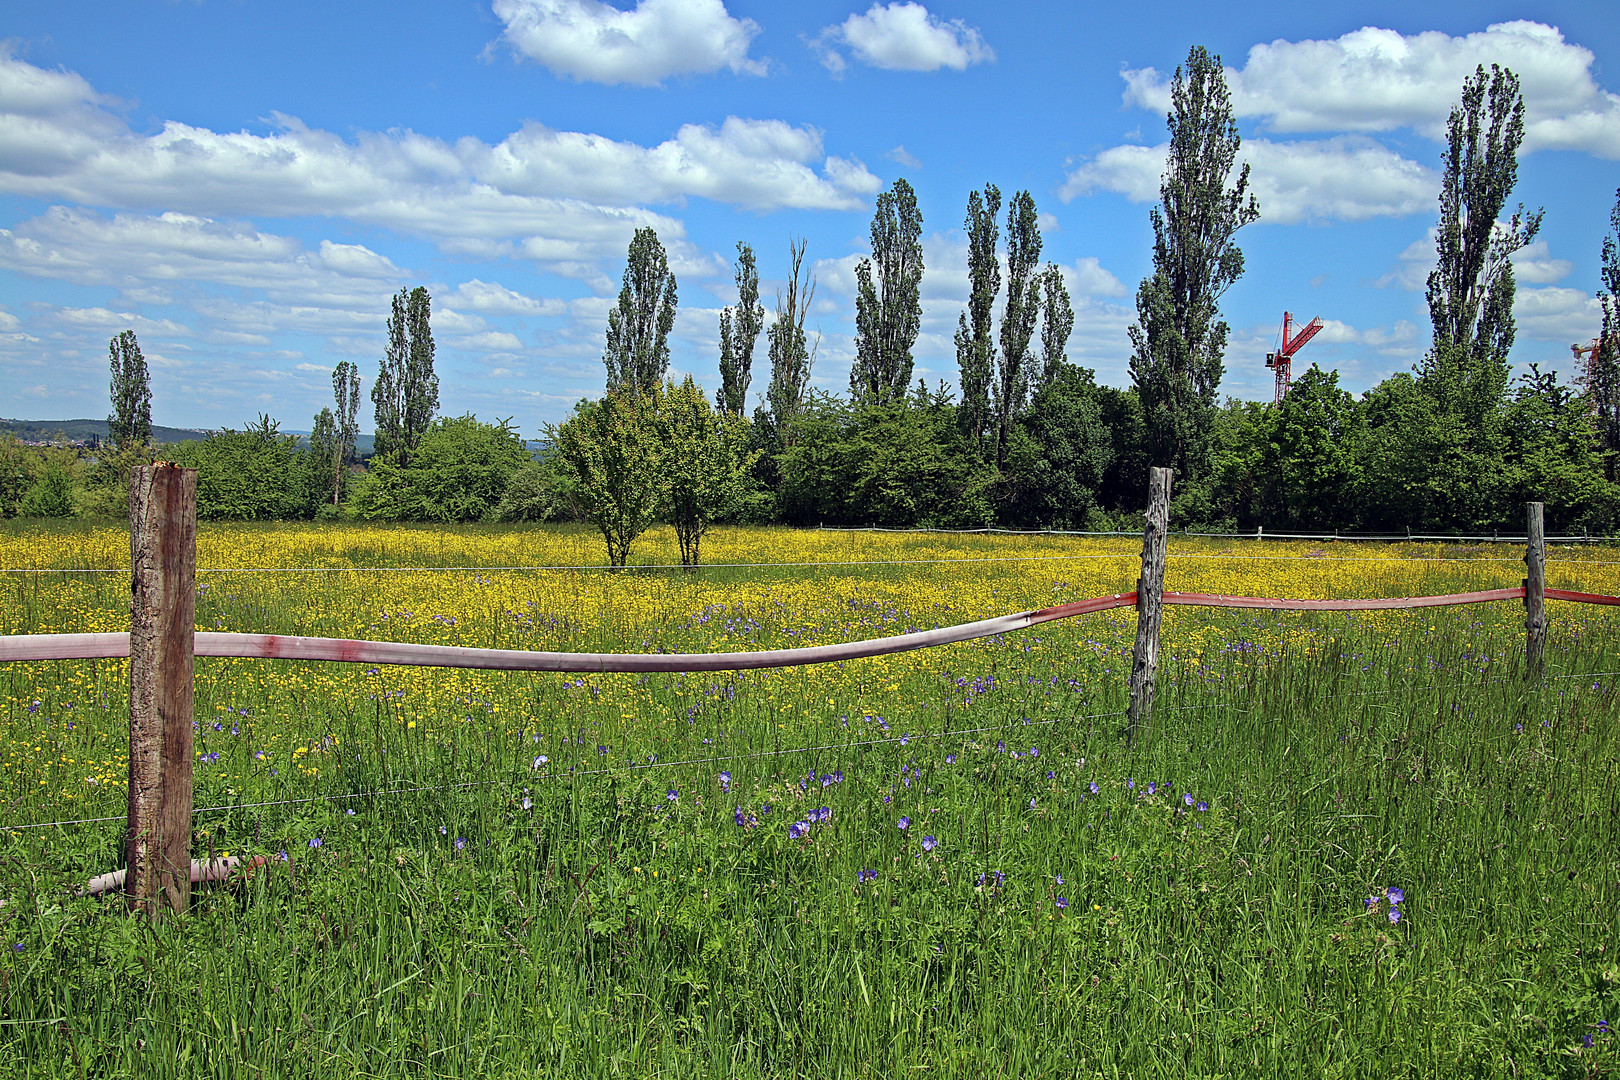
(1027, 439)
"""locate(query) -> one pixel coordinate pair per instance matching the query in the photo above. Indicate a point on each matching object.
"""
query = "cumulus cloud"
(134, 250)
(1345, 178)
(489, 298)
(1379, 80)
(902, 37)
(1557, 314)
(591, 41)
(1535, 265)
(563, 199)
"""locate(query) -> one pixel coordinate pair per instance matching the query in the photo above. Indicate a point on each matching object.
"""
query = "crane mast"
(1282, 360)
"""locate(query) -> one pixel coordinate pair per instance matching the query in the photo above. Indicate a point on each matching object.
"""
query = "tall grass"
(452, 905)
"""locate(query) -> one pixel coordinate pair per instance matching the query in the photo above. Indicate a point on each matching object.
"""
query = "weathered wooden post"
(1149, 605)
(162, 621)
(1535, 592)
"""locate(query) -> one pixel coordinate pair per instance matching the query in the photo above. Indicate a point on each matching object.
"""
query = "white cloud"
(566, 200)
(757, 164)
(1346, 178)
(489, 298)
(1088, 278)
(900, 156)
(592, 41)
(135, 250)
(903, 36)
(1378, 80)
(1534, 265)
(1558, 315)
(1410, 270)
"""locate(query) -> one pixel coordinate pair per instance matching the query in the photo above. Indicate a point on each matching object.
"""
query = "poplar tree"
(1471, 289)
(1179, 340)
(1602, 374)
(791, 355)
(333, 438)
(975, 344)
(406, 393)
(1018, 318)
(1057, 324)
(637, 354)
(888, 310)
(739, 331)
(130, 422)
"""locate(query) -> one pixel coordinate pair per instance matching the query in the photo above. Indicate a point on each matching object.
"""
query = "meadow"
(1351, 845)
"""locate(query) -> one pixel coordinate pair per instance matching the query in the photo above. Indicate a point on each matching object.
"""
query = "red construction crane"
(1287, 347)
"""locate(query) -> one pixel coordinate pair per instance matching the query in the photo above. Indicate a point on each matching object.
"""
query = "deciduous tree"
(1471, 290)
(888, 309)
(1179, 340)
(706, 463)
(611, 457)
(130, 422)
(406, 393)
(739, 332)
(975, 343)
(1601, 377)
(637, 353)
(792, 356)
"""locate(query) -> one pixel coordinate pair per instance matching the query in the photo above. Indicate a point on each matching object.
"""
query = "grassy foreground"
(944, 863)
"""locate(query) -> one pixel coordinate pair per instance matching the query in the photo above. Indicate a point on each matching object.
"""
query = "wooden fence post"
(1535, 591)
(1149, 605)
(162, 621)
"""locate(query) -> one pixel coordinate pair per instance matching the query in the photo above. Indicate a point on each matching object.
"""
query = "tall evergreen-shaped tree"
(792, 357)
(888, 310)
(637, 353)
(1471, 290)
(1602, 374)
(406, 393)
(1057, 325)
(975, 342)
(130, 422)
(388, 436)
(1179, 340)
(1018, 318)
(739, 331)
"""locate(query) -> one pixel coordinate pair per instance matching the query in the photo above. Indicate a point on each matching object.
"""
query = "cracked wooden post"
(162, 621)
(1535, 591)
(1149, 605)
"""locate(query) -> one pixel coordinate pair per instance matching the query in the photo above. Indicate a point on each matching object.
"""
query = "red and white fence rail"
(162, 646)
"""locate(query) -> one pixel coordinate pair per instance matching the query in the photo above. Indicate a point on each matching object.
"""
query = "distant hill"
(84, 430)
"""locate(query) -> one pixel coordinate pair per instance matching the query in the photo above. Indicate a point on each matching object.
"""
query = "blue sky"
(245, 183)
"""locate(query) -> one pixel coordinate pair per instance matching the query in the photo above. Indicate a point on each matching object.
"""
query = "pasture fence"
(162, 644)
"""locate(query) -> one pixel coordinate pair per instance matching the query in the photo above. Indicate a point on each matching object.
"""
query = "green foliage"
(1601, 376)
(706, 463)
(612, 460)
(975, 345)
(130, 422)
(1293, 465)
(533, 493)
(888, 312)
(1179, 340)
(739, 332)
(790, 352)
(1056, 325)
(1470, 291)
(257, 474)
(637, 353)
(16, 476)
(1018, 319)
(897, 465)
(459, 472)
(406, 393)
(51, 493)
(1554, 454)
(1059, 454)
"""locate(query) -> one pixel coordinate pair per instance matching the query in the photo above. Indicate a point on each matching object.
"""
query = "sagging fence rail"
(161, 647)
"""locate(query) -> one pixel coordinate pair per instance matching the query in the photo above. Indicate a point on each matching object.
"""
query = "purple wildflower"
(1397, 895)
(673, 795)
(1394, 915)
(316, 842)
(929, 843)
(1061, 903)
(461, 842)
(1187, 798)
(798, 829)
(904, 823)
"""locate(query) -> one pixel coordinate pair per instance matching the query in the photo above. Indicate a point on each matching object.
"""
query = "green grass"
(605, 929)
